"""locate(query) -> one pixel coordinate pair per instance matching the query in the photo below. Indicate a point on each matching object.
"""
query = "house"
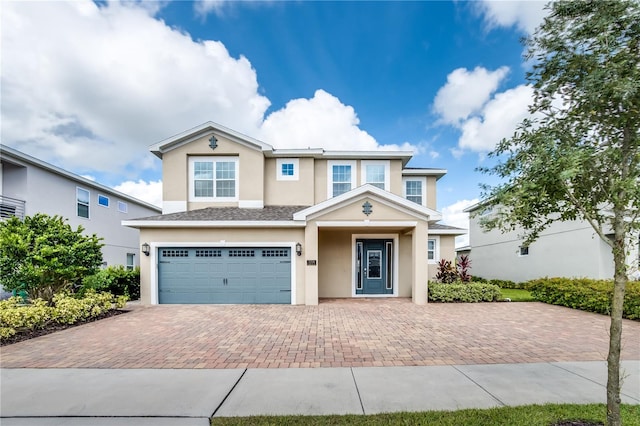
(570, 249)
(29, 186)
(243, 222)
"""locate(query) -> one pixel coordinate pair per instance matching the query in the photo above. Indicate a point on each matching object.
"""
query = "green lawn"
(531, 415)
(517, 295)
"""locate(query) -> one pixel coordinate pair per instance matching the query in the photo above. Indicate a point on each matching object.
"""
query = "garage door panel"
(224, 275)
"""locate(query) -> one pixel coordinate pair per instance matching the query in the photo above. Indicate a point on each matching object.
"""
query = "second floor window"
(213, 179)
(413, 190)
(376, 173)
(341, 179)
(82, 202)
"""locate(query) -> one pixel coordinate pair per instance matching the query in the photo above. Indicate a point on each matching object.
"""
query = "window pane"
(122, 207)
(203, 170)
(342, 174)
(203, 188)
(375, 174)
(225, 170)
(225, 188)
(82, 195)
(83, 210)
(103, 201)
(415, 198)
(341, 188)
(432, 244)
(287, 169)
(413, 187)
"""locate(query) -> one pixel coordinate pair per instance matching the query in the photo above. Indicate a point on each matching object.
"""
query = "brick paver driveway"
(378, 332)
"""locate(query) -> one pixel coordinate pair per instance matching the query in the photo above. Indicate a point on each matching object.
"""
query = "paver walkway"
(337, 333)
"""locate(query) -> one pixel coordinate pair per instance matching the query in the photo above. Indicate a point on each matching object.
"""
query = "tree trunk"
(615, 331)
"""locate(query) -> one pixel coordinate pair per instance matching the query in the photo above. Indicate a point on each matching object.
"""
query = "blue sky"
(88, 86)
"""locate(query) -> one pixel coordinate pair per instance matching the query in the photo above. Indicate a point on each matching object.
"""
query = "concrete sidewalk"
(190, 397)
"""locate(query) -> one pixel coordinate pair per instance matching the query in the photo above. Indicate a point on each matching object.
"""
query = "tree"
(578, 155)
(43, 255)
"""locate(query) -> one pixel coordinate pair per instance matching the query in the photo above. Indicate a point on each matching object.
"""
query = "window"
(82, 202)
(414, 190)
(524, 250)
(342, 177)
(432, 250)
(213, 179)
(130, 261)
(287, 169)
(376, 173)
(103, 201)
(122, 207)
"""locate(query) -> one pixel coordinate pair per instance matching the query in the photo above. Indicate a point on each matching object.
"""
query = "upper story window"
(103, 201)
(122, 207)
(213, 179)
(342, 177)
(415, 189)
(376, 173)
(82, 202)
(287, 169)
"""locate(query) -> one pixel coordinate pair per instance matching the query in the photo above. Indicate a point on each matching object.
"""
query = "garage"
(233, 275)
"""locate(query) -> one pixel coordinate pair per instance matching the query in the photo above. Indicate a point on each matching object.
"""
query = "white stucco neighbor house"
(29, 186)
(243, 222)
(570, 249)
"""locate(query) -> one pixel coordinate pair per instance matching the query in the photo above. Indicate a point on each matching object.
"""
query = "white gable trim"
(375, 193)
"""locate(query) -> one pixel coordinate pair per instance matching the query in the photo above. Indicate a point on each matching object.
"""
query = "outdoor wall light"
(299, 249)
(146, 249)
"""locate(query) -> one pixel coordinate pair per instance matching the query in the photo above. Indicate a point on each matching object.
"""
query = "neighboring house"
(246, 223)
(569, 249)
(29, 186)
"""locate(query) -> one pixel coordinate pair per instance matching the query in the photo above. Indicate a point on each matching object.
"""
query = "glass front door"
(374, 266)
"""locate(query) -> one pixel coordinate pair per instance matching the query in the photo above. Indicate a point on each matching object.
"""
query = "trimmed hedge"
(586, 294)
(463, 292)
(501, 283)
(18, 317)
(116, 280)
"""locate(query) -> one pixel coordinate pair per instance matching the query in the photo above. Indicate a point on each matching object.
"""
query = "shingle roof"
(439, 226)
(231, 213)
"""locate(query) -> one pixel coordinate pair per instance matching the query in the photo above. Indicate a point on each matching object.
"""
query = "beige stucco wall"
(320, 187)
(289, 192)
(380, 211)
(447, 251)
(431, 192)
(230, 236)
(175, 170)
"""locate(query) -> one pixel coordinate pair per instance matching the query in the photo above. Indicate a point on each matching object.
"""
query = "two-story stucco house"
(570, 249)
(243, 222)
(29, 186)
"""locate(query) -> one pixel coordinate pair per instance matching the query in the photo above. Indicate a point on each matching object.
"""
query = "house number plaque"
(311, 262)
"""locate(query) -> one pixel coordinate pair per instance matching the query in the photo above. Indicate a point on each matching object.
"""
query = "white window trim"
(88, 203)
(330, 165)
(126, 207)
(422, 179)
(108, 201)
(296, 167)
(193, 198)
(387, 171)
(436, 249)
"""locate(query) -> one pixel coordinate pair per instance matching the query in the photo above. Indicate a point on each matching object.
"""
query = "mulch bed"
(19, 337)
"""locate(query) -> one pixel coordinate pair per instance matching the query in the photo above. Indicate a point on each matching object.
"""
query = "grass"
(530, 415)
(517, 295)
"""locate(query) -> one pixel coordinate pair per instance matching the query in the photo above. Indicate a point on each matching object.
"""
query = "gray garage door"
(224, 275)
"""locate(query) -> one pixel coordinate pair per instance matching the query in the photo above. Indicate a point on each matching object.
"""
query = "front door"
(374, 271)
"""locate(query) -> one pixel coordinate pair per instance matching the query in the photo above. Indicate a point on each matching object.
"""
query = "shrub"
(507, 284)
(463, 292)
(43, 255)
(18, 317)
(116, 280)
(463, 266)
(586, 294)
(447, 273)
(476, 279)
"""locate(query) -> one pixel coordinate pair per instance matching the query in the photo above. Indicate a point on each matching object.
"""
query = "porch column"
(310, 252)
(419, 261)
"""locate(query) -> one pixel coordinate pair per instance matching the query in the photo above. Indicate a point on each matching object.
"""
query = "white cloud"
(465, 92)
(320, 122)
(498, 120)
(151, 192)
(205, 7)
(524, 15)
(93, 86)
(90, 87)
(453, 215)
